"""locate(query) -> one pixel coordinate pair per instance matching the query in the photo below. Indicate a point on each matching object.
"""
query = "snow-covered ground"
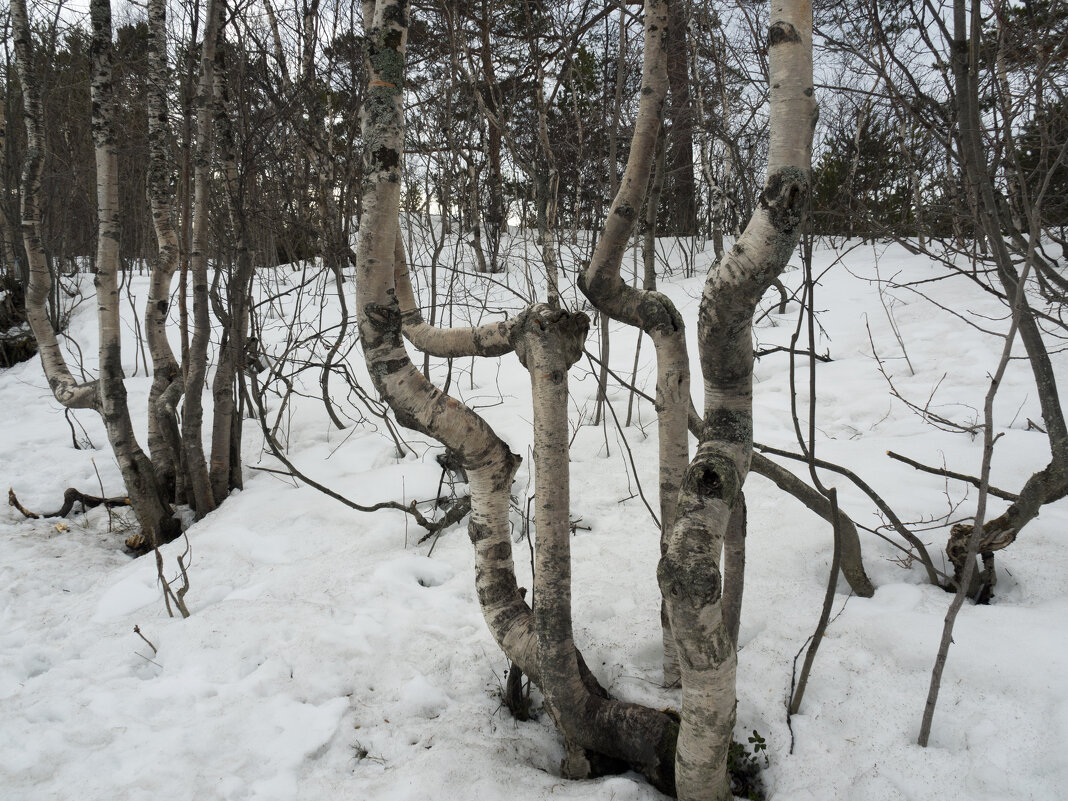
(328, 656)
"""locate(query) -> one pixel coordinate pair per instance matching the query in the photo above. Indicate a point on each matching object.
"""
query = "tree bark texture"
(146, 496)
(381, 312)
(689, 572)
(107, 395)
(548, 342)
(67, 390)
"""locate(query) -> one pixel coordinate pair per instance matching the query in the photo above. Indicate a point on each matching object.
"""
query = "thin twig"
(137, 631)
(941, 471)
(100, 481)
(830, 493)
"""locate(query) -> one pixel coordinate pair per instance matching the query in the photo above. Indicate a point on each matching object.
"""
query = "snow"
(328, 656)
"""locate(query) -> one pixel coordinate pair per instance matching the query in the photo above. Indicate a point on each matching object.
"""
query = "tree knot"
(552, 338)
(785, 198)
(782, 32)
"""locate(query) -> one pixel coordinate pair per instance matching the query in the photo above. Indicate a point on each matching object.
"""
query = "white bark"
(689, 572)
(651, 311)
(196, 366)
(67, 390)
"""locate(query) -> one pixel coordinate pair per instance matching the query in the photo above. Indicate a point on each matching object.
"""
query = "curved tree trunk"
(67, 390)
(689, 572)
(548, 342)
(649, 310)
(165, 371)
(108, 394)
(641, 737)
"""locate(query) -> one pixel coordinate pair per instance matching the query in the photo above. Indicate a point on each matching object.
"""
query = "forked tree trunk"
(689, 572)
(641, 737)
(548, 342)
(146, 496)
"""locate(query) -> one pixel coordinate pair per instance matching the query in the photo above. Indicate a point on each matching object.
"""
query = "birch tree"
(176, 470)
(697, 501)
(107, 394)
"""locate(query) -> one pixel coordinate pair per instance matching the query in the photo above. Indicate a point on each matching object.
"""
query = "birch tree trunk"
(107, 395)
(548, 341)
(641, 737)
(651, 311)
(65, 388)
(163, 440)
(689, 572)
(146, 496)
(196, 366)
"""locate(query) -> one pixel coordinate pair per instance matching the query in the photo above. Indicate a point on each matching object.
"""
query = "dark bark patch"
(498, 552)
(694, 581)
(387, 367)
(785, 198)
(384, 322)
(385, 158)
(626, 211)
(662, 774)
(396, 14)
(781, 33)
(729, 425)
(496, 586)
(478, 532)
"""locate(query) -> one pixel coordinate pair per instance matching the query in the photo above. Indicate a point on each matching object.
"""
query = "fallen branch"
(70, 497)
